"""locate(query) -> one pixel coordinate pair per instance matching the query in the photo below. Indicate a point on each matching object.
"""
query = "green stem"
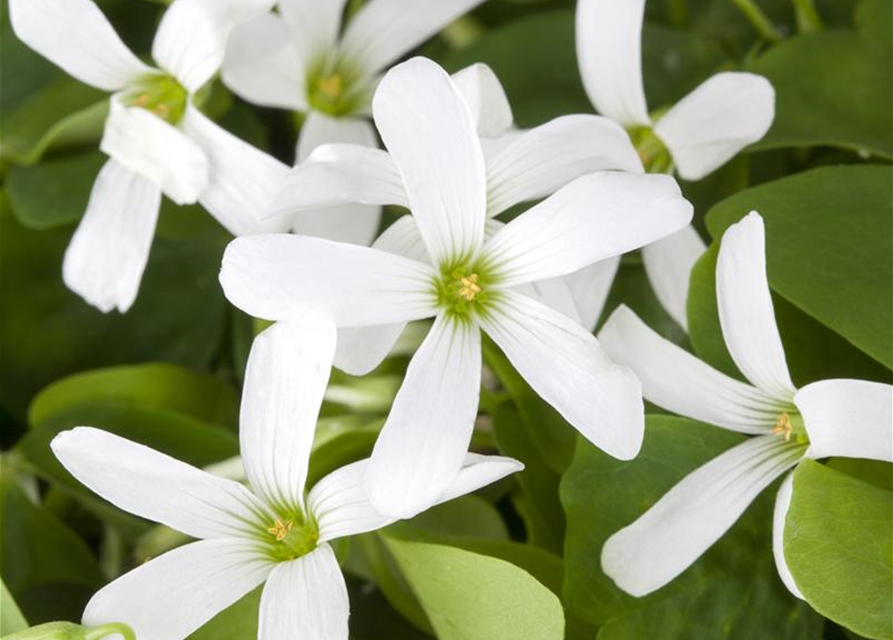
(107, 629)
(808, 18)
(759, 20)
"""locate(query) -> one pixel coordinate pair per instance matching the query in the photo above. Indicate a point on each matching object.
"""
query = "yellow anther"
(470, 287)
(332, 86)
(142, 100)
(162, 110)
(783, 426)
(280, 530)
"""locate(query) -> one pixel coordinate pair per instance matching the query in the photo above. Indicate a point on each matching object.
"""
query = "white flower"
(467, 284)
(158, 141)
(300, 60)
(693, 137)
(520, 166)
(849, 418)
(271, 532)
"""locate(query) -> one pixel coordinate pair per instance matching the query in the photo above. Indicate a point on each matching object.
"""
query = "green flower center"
(160, 94)
(652, 151)
(790, 426)
(336, 88)
(463, 290)
(291, 537)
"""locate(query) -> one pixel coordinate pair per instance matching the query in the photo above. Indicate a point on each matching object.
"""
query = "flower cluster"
(512, 236)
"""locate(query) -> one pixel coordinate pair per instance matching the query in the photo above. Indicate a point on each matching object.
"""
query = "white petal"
(422, 444)
(477, 472)
(668, 264)
(76, 36)
(568, 368)
(715, 121)
(745, 308)
(597, 216)
(263, 65)
(694, 514)
(319, 129)
(279, 277)
(314, 25)
(171, 596)
(490, 108)
(157, 487)
(362, 349)
(384, 30)
(108, 252)
(336, 174)
(191, 39)
(546, 158)
(146, 144)
(848, 418)
(677, 381)
(553, 293)
(428, 130)
(609, 41)
(242, 180)
(285, 380)
(305, 598)
(590, 287)
(782, 504)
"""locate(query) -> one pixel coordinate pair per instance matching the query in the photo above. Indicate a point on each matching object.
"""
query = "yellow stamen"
(332, 86)
(783, 426)
(470, 287)
(162, 110)
(142, 100)
(280, 530)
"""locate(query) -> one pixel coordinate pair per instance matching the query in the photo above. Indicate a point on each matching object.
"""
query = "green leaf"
(838, 545)
(236, 622)
(829, 245)
(11, 618)
(733, 591)
(809, 73)
(468, 595)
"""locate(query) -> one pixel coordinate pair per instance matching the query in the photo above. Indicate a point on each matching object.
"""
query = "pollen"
(783, 426)
(280, 530)
(470, 287)
(332, 86)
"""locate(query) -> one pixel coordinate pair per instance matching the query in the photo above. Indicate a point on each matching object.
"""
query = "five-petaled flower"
(157, 139)
(271, 532)
(300, 60)
(429, 132)
(850, 418)
(694, 137)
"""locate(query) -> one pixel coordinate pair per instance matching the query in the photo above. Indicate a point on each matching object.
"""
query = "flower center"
(336, 88)
(788, 426)
(652, 151)
(462, 290)
(292, 538)
(160, 94)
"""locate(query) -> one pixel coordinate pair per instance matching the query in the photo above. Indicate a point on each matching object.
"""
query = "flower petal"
(609, 52)
(745, 308)
(108, 252)
(362, 349)
(848, 418)
(314, 25)
(278, 277)
(568, 368)
(176, 593)
(715, 121)
(647, 554)
(242, 178)
(555, 294)
(336, 174)
(677, 381)
(157, 487)
(546, 158)
(422, 445)
(76, 36)
(428, 130)
(597, 216)
(782, 504)
(384, 30)
(477, 472)
(668, 264)
(305, 598)
(191, 39)
(149, 146)
(590, 287)
(490, 108)
(285, 379)
(263, 65)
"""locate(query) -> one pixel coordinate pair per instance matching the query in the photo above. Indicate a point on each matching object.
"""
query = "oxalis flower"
(467, 285)
(850, 418)
(521, 165)
(157, 140)
(300, 60)
(694, 137)
(269, 532)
